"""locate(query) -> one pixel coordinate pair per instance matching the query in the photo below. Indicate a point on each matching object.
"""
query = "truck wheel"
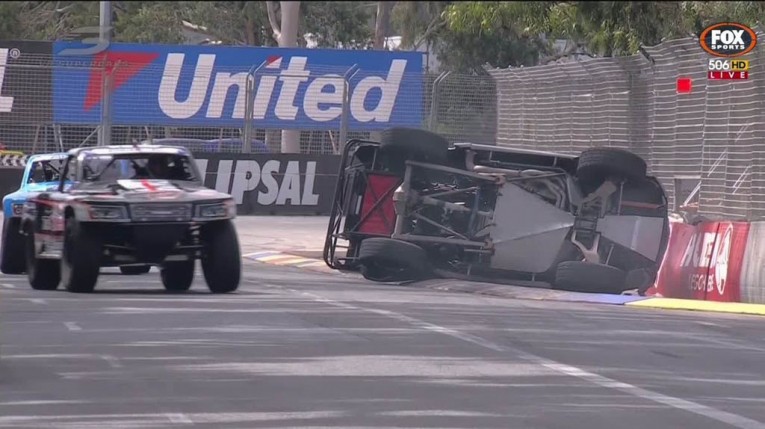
(43, 274)
(222, 262)
(12, 256)
(135, 270)
(400, 144)
(598, 164)
(177, 276)
(580, 276)
(81, 257)
(389, 260)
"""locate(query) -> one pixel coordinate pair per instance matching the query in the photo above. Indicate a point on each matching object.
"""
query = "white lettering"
(224, 175)
(202, 167)
(690, 250)
(322, 101)
(309, 197)
(291, 78)
(731, 39)
(246, 178)
(6, 101)
(290, 189)
(272, 186)
(248, 175)
(315, 97)
(263, 94)
(221, 87)
(389, 91)
(169, 85)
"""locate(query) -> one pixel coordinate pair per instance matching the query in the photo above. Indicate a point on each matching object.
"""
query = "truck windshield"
(108, 168)
(45, 171)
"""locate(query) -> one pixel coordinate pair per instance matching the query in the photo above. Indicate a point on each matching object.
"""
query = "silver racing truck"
(130, 207)
(412, 206)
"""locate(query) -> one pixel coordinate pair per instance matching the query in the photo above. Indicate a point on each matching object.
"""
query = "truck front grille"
(161, 212)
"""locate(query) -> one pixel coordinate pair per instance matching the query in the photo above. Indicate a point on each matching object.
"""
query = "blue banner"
(181, 85)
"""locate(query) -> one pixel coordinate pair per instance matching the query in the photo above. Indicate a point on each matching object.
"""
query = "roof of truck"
(130, 149)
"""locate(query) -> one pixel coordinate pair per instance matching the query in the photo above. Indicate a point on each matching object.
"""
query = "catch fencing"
(200, 98)
(707, 146)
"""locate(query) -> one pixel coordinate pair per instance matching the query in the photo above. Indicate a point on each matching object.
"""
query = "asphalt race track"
(303, 349)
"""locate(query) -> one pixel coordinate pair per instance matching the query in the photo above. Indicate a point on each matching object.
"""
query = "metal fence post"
(249, 107)
(106, 106)
(344, 116)
(432, 119)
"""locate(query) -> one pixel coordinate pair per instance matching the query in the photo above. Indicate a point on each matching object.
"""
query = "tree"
(418, 22)
(604, 28)
(149, 22)
(337, 23)
(382, 21)
(284, 23)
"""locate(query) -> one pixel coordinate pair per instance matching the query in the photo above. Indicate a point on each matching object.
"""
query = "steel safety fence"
(707, 146)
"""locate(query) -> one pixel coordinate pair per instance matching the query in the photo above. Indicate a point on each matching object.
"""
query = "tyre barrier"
(713, 261)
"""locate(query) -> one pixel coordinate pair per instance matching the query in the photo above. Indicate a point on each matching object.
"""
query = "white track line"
(72, 326)
(731, 419)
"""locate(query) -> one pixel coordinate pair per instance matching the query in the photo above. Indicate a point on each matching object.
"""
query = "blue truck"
(41, 174)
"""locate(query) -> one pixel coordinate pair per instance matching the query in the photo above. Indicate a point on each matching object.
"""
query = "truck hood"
(146, 191)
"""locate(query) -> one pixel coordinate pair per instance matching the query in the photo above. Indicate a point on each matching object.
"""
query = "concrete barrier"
(753, 266)
(262, 184)
(714, 261)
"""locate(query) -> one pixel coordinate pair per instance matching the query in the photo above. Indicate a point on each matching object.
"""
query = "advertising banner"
(704, 261)
(25, 82)
(273, 183)
(183, 85)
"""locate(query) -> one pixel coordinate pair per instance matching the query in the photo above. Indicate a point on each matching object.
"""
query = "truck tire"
(135, 270)
(81, 257)
(222, 262)
(598, 164)
(397, 145)
(177, 276)
(389, 260)
(12, 259)
(43, 274)
(579, 276)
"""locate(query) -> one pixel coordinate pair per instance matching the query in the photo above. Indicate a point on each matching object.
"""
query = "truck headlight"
(114, 213)
(222, 210)
(18, 209)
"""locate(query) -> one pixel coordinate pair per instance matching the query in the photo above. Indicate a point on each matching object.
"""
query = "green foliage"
(508, 33)
(465, 35)
(152, 22)
(339, 22)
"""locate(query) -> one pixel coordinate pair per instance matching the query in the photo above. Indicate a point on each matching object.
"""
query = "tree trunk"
(381, 23)
(290, 15)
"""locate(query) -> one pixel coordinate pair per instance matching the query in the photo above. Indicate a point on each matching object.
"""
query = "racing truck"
(413, 206)
(130, 206)
(41, 174)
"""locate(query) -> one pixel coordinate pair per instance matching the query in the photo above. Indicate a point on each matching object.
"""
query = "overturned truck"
(412, 206)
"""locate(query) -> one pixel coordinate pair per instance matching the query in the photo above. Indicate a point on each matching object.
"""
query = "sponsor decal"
(292, 184)
(708, 253)
(274, 182)
(206, 86)
(25, 83)
(709, 262)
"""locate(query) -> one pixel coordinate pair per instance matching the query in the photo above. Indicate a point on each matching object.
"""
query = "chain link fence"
(707, 146)
(462, 107)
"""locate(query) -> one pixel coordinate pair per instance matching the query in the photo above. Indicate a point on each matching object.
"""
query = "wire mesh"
(712, 137)
(711, 140)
